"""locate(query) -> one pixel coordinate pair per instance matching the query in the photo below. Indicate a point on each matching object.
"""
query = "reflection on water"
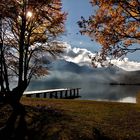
(128, 100)
(91, 91)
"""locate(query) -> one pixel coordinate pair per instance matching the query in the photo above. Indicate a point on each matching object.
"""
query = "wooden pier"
(66, 93)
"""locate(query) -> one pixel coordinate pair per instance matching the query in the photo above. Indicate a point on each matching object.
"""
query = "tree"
(115, 24)
(26, 29)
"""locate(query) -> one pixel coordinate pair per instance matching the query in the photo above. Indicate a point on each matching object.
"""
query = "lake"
(93, 91)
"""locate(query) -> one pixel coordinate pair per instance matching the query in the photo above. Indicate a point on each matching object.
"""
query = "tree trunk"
(15, 127)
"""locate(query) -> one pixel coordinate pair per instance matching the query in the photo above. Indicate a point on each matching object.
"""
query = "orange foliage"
(25, 35)
(114, 23)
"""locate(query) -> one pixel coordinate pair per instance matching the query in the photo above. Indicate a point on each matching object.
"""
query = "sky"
(76, 9)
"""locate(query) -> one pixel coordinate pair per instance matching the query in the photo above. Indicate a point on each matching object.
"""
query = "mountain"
(74, 65)
(63, 66)
(62, 70)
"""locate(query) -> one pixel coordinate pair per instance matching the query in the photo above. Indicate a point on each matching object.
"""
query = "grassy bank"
(81, 120)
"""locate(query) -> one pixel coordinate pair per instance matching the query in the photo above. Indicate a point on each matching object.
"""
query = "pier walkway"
(65, 93)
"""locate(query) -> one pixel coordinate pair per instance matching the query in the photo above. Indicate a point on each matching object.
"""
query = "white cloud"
(77, 55)
(127, 65)
(81, 57)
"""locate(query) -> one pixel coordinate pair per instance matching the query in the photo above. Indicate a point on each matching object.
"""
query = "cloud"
(127, 65)
(81, 57)
(76, 55)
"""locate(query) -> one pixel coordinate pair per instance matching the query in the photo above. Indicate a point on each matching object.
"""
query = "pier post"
(71, 92)
(77, 92)
(28, 95)
(45, 95)
(74, 92)
(66, 93)
(51, 94)
(56, 96)
(38, 95)
(61, 94)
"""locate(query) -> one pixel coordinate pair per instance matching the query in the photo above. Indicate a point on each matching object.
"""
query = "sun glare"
(29, 14)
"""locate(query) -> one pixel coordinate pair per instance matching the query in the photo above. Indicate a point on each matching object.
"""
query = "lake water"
(92, 91)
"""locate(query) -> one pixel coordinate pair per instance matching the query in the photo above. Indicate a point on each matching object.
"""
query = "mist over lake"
(92, 91)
